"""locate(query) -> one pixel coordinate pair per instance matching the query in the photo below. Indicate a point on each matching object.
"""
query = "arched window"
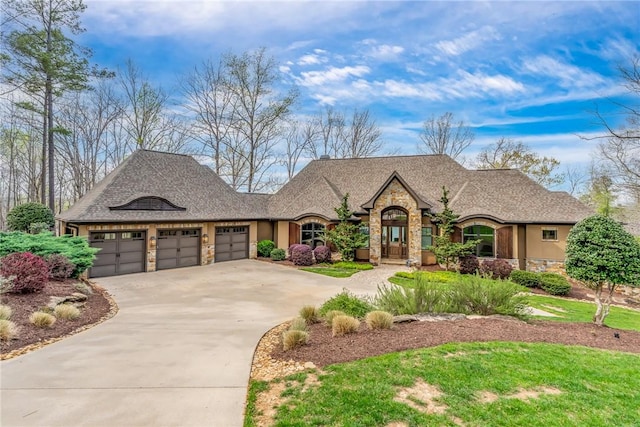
(312, 234)
(486, 235)
(394, 214)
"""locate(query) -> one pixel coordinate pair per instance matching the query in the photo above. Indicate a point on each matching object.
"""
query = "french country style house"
(160, 210)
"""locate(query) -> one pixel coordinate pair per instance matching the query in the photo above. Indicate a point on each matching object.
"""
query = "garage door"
(178, 248)
(121, 252)
(232, 243)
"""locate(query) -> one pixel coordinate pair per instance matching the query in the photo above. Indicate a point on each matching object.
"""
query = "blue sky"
(532, 71)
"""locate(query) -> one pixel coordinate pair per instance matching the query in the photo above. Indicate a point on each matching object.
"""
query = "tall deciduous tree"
(603, 255)
(620, 145)
(442, 135)
(45, 63)
(507, 153)
(258, 111)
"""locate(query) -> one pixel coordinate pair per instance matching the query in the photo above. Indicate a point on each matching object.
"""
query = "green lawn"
(576, 311)
(338, 269)
(477, 384)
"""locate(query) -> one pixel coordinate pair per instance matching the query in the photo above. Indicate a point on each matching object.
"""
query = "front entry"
(394, 234)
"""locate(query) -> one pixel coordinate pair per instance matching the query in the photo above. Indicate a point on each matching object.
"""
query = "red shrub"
(322, 254)
(30, 272)
(497, 268)
(301, 254)
(469, 264)
(60, 267)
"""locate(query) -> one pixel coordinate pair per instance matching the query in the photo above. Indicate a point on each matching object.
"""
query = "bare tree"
(619, 146)
(209, 99)
(507, 153)
(341, 138)
(259, 111)
(575, 178)
(299, 137)
(442, 135)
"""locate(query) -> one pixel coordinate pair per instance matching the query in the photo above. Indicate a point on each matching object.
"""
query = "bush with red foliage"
(469, 264)
(301, 254)
(30, 272)
(496, 268)
(322, 254)
(60, 267)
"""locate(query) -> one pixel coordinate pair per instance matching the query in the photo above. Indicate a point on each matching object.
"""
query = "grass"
(575, 386)
(66, 311)
(577, 311)
(8, 330)
(42, 319)
(5, 312)
(339, 269)
(406, 279)
(255, 388)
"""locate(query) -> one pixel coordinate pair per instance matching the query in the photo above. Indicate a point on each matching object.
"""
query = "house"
(159, 210)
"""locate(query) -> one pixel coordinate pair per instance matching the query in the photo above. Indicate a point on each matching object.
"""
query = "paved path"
(178, 353)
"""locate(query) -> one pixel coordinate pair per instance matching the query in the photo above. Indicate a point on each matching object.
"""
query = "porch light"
(152, 241)
(205, 238)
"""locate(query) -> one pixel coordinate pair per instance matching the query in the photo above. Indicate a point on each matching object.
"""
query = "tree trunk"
(603, 306)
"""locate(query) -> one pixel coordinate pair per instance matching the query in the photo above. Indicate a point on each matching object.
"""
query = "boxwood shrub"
(554, 284)
(278, 254)
(265, 247)
(322, 254)
(525, 278)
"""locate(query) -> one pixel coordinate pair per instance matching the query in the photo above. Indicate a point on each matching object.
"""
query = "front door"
(394, 242)
(394, 234)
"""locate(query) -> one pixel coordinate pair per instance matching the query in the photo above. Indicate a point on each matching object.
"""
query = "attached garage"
(177, 248)
(232, 243)
(121, 252)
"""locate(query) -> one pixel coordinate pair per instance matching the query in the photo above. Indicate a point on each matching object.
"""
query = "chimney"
(325, 157)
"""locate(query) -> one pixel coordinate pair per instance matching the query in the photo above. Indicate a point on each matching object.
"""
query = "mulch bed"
(96, 308)
(323, 349)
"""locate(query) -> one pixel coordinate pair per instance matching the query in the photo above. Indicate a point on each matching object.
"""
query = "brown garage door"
(178, 248)
(121, 252)
(232, 243)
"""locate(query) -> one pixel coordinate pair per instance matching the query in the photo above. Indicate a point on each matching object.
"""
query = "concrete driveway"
(178, 353)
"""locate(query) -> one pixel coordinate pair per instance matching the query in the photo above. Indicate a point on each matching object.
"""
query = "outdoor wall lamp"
(152, 241)
(205, 238)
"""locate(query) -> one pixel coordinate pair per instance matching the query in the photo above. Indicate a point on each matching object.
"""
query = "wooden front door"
(394, 242)
(394, 234)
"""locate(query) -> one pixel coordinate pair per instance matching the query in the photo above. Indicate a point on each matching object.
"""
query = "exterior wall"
(536, 248)
(265, 230)
(282, 235)
(395, 195)
(545, 265)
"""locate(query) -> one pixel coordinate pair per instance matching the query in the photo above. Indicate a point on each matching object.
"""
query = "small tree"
(346, 236)
(22, 216)
(446, 251)
(603, 255)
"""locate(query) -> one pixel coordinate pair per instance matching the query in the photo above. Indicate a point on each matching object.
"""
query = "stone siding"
(396, 195)
(546, 265)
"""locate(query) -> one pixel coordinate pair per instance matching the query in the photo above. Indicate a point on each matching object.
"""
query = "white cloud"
(309, 60)
(386, 52)
(331, 75)
(468, 41)
(567, 75)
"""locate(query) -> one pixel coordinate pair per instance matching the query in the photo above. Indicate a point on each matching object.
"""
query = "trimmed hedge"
(525, 278)
(554, 284)
(322, 254)
(278, 254)
(265, 247)
(22, 216)
(301, 255)
(76, 249)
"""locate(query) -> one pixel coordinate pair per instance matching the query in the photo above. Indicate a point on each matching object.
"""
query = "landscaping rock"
(405, 318)
(76, 298)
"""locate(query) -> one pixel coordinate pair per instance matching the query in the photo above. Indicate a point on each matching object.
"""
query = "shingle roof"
(177, 178)
(505, 195)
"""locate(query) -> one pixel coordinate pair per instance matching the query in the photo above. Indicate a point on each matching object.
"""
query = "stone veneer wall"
(396, 195)
(545, 265)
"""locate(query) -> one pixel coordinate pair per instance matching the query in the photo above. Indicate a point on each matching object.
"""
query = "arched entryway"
(394, 233)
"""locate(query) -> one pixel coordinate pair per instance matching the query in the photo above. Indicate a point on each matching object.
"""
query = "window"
(103, 236)
(364, 229)
(486, 236)
(550, 234)
(427, 237)
(394, 215)
(131, 235)
(312, 234)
